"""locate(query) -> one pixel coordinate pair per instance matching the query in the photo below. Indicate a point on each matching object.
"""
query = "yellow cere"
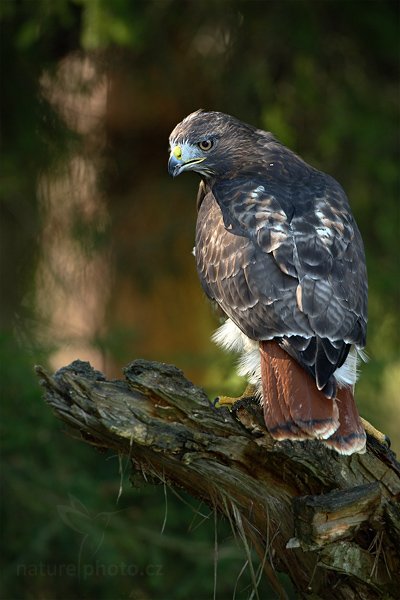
(177, 152)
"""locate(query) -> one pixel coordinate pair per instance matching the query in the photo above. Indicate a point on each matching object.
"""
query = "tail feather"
(277, 415)
(293, 406)
(350, 437)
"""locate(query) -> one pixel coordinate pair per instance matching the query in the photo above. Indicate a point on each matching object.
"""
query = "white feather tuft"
(231, 338)
(348, 373)
(228, 337)
(249, 366)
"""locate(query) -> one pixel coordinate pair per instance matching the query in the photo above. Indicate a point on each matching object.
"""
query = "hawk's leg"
(249, 394)
(374, 433)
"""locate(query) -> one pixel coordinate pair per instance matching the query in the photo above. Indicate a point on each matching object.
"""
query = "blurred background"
(96, 251)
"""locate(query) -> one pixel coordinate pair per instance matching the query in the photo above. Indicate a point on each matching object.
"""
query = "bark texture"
(331, 522)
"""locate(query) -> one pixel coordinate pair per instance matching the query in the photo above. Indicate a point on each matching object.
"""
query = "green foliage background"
(323, 77)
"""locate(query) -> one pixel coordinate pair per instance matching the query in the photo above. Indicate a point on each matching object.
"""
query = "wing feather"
(280, 252)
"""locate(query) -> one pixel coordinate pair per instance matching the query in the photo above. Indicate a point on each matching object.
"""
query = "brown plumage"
(278, 250)
(293, 406)
(350, 435)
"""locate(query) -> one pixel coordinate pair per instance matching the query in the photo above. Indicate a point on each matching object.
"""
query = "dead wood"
(331, 522)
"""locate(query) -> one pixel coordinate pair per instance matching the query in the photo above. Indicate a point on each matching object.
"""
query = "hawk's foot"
(380, 437)
(247, 396)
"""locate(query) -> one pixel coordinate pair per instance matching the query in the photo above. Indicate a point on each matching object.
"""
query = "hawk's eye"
(205, 145)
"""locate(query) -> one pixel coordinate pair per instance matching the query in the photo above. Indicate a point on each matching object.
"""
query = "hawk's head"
(210, 143)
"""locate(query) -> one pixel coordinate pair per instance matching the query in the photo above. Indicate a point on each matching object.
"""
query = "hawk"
(278, 250)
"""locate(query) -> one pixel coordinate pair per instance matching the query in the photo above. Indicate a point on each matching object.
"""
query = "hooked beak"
(182, 159)
(174, 166)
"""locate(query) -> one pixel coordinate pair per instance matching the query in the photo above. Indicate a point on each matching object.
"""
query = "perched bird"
(278, 249)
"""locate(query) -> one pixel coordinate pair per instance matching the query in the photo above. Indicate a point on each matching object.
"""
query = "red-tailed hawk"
(278, 249)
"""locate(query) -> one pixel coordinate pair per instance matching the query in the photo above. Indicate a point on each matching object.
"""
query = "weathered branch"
(331, 522)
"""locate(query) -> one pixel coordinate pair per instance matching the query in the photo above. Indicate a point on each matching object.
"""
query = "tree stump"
(331, 522)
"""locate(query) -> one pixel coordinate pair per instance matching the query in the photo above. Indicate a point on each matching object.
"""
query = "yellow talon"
(378, 435)
(221, 401)
(224, 401)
